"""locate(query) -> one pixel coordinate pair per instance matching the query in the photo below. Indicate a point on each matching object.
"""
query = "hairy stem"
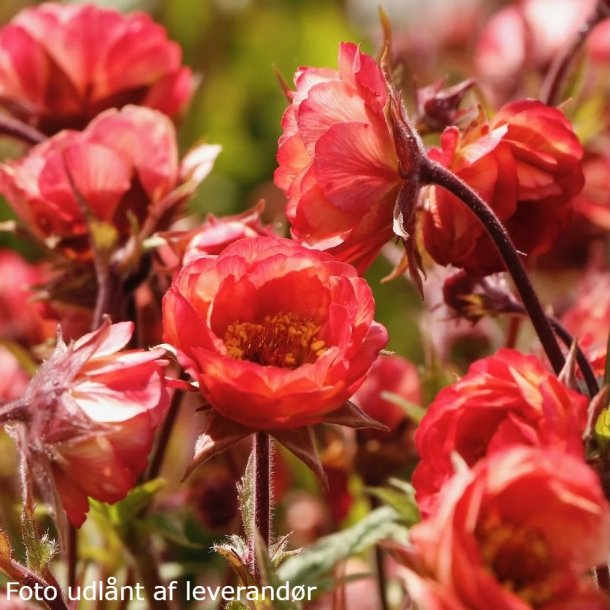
(433, 173)
(262, 495)
(156, 462)
(553, 82)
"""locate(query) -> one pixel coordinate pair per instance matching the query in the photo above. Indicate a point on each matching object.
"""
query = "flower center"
(286, 340)
(519, 557)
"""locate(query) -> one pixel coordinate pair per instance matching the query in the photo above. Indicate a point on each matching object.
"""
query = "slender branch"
(14, 128)
(262, 495)
(382, 578)
(156, 461)
(551, 87)
(433, 173)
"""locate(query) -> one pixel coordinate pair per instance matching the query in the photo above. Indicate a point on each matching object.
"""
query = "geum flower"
(503, 400)
(119, 176)
(63, 64)
(526, 164)
(337, 162)
(277, 336)
(87, 419)
(519, 531)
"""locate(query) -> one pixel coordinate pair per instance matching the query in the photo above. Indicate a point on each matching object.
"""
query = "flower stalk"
(262, 496)
(434, 173)
(14, 128)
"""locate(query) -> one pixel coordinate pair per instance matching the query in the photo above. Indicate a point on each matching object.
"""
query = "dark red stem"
(262, 495)
(433, 173)
(14, 128)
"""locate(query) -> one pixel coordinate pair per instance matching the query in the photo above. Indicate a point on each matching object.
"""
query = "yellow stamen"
(285, 340)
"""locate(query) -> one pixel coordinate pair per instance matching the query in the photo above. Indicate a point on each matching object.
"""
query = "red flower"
(61, 65)
(526, 164)
(391, 374)
(503, 400)
(337, 162)
(589, 318)
(276, 334)
(92, 411)
(125, 167)
(519, 531)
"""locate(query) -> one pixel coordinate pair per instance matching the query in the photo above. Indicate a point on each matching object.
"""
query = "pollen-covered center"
(519, 557)
(286, 340)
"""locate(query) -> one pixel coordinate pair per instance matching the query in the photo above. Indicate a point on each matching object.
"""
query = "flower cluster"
(137, 341)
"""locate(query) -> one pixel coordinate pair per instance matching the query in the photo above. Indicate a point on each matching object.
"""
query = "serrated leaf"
(235, 551)
(269, 576)
(167, 526)
(245, 497)
(313, 563)
(137, 500)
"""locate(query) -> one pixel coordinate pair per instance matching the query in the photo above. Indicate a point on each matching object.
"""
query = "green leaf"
(169, 526)
(236, 606)
(313, 563)
(245, 497)
(413, 411)
(401, 497)
(136, 501)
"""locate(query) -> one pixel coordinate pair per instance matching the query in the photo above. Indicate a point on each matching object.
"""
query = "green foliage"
(314, 563)
(400, 496)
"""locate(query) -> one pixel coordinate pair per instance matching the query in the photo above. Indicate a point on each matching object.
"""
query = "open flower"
(62, 64)
(519, 531)
(91, 413)
(526, 164)
(506, 399)
(276, 334)
(337, 162)
(122, 171)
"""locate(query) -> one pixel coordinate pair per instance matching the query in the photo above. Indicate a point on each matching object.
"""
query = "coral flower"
(62, 64)
(526, 164)
(337, 162)
(277, 335)
(505, 399)
(91, 413)
(519, 531)
(121, 172)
